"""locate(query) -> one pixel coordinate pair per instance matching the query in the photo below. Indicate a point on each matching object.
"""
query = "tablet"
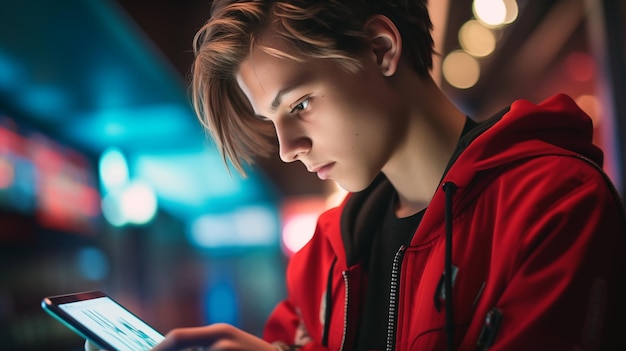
(97, 317)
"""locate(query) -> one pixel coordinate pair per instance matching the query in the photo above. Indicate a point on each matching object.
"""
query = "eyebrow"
(279, 97)
(299, 81)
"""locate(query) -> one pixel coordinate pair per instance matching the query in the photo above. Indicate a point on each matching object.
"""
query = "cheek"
(351, 121)
(352, 134)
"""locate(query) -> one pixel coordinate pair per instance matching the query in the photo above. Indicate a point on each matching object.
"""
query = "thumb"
(89, 346)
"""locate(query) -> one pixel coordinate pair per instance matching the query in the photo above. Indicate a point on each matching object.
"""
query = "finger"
(206, 336)
(89, 346)
(186, 338)
(213, 337)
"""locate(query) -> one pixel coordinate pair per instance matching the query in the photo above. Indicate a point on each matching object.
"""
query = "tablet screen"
(113, 323)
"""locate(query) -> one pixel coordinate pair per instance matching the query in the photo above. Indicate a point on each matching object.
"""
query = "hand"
(89, 346)
(214, 337)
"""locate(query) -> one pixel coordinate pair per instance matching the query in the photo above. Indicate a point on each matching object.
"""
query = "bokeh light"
(512, 11)
(298, 230)
(92, 263)
(476, 39)
(490, 12)
(113, 169)
(138, 202)
(580, 66)
(591, 105)
(460, 69)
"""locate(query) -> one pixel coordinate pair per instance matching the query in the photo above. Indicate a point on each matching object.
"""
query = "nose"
(292, 141)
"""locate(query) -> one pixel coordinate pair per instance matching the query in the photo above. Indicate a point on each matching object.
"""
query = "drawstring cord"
(328, 301)
(449, 188)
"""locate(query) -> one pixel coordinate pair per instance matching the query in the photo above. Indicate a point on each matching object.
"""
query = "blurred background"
(108, 182)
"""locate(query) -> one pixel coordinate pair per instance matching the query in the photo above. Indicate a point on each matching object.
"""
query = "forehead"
(271, 67)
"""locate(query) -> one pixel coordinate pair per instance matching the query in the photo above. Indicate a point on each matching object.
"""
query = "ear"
(386, 43)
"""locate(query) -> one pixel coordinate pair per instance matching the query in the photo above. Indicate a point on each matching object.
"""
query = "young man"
(503, 235)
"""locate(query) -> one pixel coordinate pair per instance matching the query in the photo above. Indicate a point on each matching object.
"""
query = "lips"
(322, 171)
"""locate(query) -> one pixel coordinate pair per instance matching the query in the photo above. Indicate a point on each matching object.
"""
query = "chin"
(353, 185)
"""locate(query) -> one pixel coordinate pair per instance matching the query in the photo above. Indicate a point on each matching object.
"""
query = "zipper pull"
(490, 329)
(440, 292)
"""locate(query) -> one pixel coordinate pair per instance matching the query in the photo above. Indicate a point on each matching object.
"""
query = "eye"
(301, 106)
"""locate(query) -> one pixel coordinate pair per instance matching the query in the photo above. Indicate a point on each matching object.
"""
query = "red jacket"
(538, 238)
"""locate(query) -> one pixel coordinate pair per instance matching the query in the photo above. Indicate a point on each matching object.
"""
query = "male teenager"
(499, 235)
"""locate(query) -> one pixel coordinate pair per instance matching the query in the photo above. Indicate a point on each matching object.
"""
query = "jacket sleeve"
(286, 331)
(295, 321)
(566, 275)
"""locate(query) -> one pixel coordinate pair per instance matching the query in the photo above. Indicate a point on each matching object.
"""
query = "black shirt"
(393, 233)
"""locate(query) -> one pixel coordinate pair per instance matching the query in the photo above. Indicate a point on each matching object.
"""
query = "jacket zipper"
(393, 297)
(345, 312)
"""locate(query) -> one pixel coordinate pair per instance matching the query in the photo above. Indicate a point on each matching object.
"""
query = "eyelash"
(299, 106)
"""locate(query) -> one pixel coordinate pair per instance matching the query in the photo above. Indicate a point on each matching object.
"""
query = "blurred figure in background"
(500, 235)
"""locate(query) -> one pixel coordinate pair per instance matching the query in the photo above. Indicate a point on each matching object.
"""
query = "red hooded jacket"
(538, 249)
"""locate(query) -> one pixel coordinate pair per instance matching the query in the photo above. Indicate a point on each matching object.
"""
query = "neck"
(417, 165)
